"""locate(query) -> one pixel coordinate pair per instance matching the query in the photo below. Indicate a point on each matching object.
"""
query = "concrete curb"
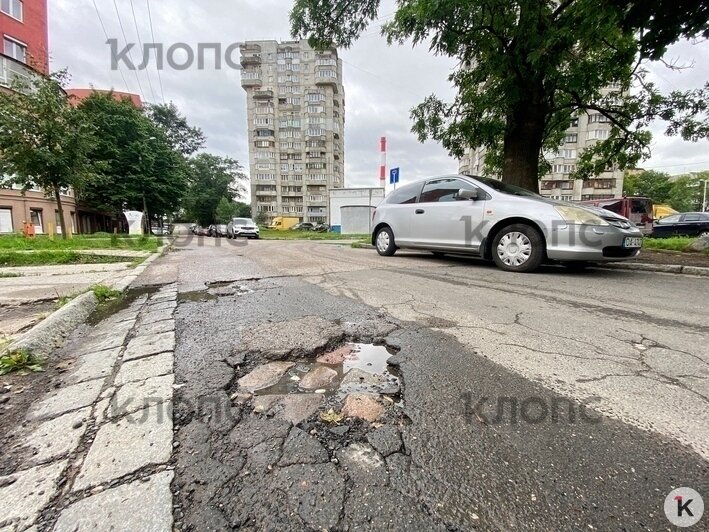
(635, 266)
(51, 332)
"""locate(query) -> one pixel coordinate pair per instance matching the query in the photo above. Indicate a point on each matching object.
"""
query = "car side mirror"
(467, 194)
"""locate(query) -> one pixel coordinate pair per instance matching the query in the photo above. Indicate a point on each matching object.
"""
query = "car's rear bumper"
(591, 243)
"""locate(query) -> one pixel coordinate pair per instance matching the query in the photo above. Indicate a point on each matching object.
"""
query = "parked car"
(515, 228)
(682, 224)
(321, 228)
(200, 231)
(243, 227)
(219, 230)
(303, 226)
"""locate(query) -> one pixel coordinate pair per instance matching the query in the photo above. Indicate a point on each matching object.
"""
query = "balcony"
(251, 82)
(263, 95)
(12, 70)
(322, 82)
(250, 60)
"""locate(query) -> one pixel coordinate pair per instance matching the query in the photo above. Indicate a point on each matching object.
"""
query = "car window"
(446, 189)
(693, 218)
(616, 206)
(499, 186)
(240, 221)
(408, 194)
(669, 219)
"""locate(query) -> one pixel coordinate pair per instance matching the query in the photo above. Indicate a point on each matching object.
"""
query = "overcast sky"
(382, 83)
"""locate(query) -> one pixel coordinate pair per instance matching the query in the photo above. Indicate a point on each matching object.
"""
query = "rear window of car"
(407, 194)
(698, 217)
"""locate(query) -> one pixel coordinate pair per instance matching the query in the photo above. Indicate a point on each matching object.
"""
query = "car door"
(399, 210)
(690, 225)
(666, 227)
(444, 220)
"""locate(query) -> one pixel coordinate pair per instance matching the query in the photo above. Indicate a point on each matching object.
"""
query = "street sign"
(393, 176)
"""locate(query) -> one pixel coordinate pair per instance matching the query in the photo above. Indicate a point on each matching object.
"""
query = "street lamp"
(704, 199)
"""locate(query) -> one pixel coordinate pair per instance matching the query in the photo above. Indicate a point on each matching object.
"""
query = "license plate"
(632, 242)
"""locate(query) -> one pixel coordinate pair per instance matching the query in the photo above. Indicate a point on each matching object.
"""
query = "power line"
(130, 55)
(152, 33)
(140, 43)
(98, 14)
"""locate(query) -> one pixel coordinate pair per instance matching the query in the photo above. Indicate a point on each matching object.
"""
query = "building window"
(326, 74)
(36, 218)
(597, 134)
(12, 8)
(571, 138)
(574, 122)
(6, 219)
(15, 49)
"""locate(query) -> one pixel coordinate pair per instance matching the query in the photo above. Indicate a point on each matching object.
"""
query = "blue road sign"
(393, 176)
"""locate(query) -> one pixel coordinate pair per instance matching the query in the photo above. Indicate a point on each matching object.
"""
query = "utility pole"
(704, 199)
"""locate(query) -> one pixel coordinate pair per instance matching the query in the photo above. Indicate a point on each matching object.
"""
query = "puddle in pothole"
(363, 369)
(195, 296)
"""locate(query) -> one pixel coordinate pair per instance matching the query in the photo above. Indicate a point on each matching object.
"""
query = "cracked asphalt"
(553, 401)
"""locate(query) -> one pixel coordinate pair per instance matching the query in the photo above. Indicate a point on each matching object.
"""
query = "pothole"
(353, 368)
(195, 296)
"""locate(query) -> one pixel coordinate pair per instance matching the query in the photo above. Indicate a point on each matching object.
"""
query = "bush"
(18, 360)
(104, 293)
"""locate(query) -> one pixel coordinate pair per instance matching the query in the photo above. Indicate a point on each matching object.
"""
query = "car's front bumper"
(591, 243)
(247, 233)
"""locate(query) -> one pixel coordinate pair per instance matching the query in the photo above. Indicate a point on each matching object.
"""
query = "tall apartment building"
(584, 130)
(296, 119)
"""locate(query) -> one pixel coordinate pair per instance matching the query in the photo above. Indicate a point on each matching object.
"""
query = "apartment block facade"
(296, 119)
(584, 130)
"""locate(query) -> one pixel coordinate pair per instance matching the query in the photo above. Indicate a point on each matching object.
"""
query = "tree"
(526, 68)
(211, 179)
(183, 137)
(654, 185)
(136, 165)
(44, 141)
(688, 192)
(225, 211)
(261, 218)
(243, 210)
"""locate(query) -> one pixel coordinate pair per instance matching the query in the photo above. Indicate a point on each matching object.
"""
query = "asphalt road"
(603, 377)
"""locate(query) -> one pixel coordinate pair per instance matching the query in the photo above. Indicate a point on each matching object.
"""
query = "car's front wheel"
(385, 242)
(518, 248)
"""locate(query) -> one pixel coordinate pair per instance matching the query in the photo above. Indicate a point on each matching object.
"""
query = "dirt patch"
(648, 256)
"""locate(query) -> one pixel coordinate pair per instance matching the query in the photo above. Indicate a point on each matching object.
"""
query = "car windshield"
(504, 187)
(242, 221)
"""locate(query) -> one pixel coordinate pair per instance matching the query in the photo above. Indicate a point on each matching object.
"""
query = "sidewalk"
(102, 440)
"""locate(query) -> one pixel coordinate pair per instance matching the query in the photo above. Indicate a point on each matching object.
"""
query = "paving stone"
(139, 505)
(357, 380)
(161, 305)
(24, 494)
(126, 445)
(170, 295)
(302, 448)
(144, 368)
(150, 345)
(101, 343)
(386, 440)
(67, 398)
(365, 406)
(114, 329)
(364, 465)
(157, 315)
(57, 437)
(137, 395)
(92, 366)
(264, 376)
(337, 356)
(157, 327)
(297, 337)
(318, 377)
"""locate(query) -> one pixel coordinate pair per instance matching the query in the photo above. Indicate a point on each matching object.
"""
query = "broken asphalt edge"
(51, 332)
(637, 266)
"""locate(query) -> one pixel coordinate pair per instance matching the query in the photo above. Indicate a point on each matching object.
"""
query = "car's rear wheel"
(518, 248)
(385, 242)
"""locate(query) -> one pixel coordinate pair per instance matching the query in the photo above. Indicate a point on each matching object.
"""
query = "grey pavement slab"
(141, 505)
(150, 345)
(144, 368)
(24, 494)
(137, 395)
(113, 328)
(161, 305)
(92, 366)
(157, 315)
(57, 437)
(101, 342)
(67, 398)
(157, 327)
(125, 446)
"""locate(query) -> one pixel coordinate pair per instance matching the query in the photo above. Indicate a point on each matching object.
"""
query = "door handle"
(419, 211)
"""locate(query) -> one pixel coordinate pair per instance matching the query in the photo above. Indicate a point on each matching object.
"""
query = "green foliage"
(19, 360)
(104, 293)
(527, 67)
(682, 193)
(134, 158)
(211, 179)
(675, 243)
(261, 218)
(42, 242)
(272, 234)
(44, 141)
(53, 258)
(181, 136)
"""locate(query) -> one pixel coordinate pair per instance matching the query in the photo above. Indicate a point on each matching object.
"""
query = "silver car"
(514, 227)
(243, 227)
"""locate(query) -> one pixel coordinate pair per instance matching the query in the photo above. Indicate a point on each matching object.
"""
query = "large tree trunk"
(60, 209)
(523, 142)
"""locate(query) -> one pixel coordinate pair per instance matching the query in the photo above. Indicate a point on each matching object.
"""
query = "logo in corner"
(684, 507)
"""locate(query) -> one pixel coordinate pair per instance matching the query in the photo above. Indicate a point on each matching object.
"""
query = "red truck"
(636, 209)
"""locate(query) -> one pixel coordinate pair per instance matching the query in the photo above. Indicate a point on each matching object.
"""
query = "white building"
(347, 206)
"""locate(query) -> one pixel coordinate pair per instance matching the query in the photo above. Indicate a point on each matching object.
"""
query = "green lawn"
(54, 257)
(676, 243)
(271, 234)
(96, 241)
